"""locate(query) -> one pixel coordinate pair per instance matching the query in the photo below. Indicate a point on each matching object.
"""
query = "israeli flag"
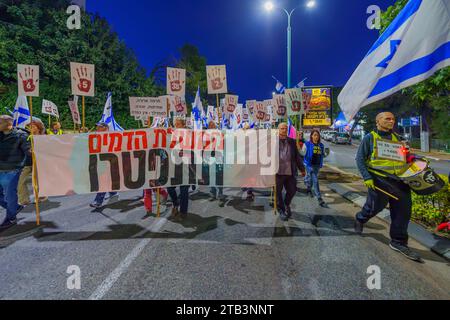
(108, 115)
(279, 87)
(412, 49)
(21, 113)
(198, 114)
(301, 84)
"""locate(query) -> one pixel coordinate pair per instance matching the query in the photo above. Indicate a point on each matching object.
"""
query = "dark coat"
(296, 160)
(14, 149)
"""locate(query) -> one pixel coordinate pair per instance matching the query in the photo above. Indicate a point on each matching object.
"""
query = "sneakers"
(406, 251)
(250, 197)
(359, 227)
(322, 203)
(283, 216)
(8, 224)
(95, 205)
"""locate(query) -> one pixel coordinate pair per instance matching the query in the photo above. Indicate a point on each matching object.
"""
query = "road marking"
(106, 285)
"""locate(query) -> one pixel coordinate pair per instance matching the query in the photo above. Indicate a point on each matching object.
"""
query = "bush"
(433, 209)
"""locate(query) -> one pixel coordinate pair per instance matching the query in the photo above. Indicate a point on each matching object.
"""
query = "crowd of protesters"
(16, 170)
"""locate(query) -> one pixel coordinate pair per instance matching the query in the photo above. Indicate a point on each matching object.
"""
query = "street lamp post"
(269, 6)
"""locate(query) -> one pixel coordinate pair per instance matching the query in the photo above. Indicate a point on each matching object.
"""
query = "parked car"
(330, 135)
(342, 138)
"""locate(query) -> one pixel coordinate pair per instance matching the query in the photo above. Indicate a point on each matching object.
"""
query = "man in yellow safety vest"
(380, 172)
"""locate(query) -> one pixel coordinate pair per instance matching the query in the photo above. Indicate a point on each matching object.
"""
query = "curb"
(435, 243)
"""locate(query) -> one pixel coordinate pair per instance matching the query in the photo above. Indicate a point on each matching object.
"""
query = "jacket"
(14, 149)
(310, 152)
(296, 158)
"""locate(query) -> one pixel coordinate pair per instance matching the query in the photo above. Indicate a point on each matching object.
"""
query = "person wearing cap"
(14, 148)
(101, 196)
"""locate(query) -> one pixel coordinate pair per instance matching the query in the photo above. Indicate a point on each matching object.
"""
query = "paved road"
(343, 157)
(225, 250)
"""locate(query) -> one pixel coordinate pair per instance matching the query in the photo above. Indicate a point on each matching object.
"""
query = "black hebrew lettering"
(114, 167)
(127, 171)
(93, 173)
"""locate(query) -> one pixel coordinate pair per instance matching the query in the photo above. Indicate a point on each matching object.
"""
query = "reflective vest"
(50, 132)
(389, 166)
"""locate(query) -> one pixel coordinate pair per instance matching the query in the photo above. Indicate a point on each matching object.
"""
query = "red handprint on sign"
(216, 79)
(84, 83)
(176, 85)
(281, 106)
(179, 105)
(231, 104)
(28, 82)
(296, 102)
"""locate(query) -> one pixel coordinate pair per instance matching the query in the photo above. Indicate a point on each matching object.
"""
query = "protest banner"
(151, 158)
(28, 80)
(176, 82)
(50, 108)
(73, 105)
(83, 79)
(217, 79)
(145, 107)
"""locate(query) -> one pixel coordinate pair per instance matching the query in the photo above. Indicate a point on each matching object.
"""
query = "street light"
(269, 6)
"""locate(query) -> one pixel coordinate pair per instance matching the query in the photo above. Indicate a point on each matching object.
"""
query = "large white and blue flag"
(412, 49)
(21, 113)
(108, 115)
(198, 114)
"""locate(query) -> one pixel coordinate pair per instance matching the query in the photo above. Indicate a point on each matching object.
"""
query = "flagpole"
(33, 170)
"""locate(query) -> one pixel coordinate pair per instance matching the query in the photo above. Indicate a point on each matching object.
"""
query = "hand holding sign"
(28, 80)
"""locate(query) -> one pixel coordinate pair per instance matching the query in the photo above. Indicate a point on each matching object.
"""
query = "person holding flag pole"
(413, 47)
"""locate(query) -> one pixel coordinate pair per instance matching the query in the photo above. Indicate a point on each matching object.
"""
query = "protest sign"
(279, 107)
(294, 102)
(390, 150)
(73, 105)
(217, 79)
(142, 107)
(230, 104)
(176, 82)
(28, 80)
(49, 108)
(83, 79)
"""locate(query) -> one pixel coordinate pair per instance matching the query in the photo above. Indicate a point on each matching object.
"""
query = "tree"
(430, 97)
(35, 32)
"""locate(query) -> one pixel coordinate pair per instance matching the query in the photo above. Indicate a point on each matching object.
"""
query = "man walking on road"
(14, 148)
(382, 174)
(290, 161)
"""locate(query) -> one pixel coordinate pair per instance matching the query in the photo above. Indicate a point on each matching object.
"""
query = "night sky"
(329, 41)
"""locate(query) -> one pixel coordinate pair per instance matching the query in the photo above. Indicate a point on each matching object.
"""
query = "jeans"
(312, 180)
(400, 210)
(217, 191)
(100, 197)
(183, 200)
(8, 192)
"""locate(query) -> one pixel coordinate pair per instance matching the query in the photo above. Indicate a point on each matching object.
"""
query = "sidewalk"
(350, 187)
